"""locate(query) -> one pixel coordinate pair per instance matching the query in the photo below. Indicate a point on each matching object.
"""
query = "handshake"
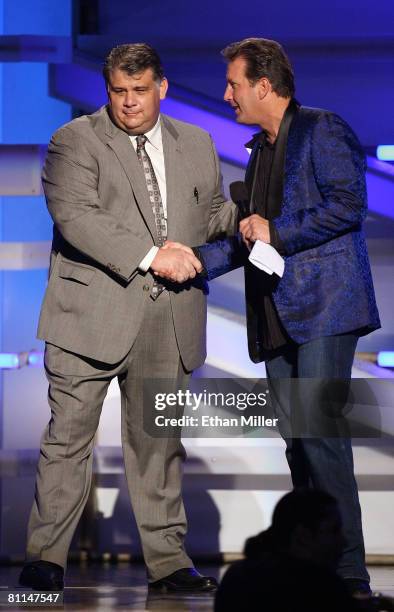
(176, 262)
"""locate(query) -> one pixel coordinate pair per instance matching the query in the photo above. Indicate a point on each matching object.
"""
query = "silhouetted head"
(306, 524)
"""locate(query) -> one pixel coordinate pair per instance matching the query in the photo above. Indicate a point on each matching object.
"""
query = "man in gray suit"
(118, 184)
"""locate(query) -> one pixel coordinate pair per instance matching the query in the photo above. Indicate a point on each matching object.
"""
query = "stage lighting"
(386, 359)
(385, 152)
(9, 361)
(13, 361)
(35, 359)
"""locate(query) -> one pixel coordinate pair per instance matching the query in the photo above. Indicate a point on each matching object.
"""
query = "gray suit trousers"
(77, 388)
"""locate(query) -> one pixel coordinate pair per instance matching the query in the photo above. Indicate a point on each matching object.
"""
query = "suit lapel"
(121, 145)
(173, 168)
(253, 145)
(277, 176)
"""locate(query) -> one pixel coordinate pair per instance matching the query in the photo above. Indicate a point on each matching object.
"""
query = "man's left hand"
(254, 228)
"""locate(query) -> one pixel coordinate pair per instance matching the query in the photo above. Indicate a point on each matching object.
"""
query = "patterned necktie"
(156, 201)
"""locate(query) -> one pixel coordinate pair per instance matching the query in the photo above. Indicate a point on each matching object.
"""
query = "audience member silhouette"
(290, 567)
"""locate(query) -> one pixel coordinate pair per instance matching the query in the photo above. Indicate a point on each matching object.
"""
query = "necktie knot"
(141, 140)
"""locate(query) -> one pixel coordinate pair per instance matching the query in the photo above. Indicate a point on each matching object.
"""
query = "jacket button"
(146, 287)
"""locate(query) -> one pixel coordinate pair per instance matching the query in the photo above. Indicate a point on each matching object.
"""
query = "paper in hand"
(266, 258)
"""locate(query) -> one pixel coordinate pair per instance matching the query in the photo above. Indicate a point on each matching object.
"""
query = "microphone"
(239, 195)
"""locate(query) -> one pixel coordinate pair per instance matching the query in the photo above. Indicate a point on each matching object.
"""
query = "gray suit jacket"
(104, 226)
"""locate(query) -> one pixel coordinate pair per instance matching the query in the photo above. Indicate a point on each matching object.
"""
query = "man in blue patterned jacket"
(306, 187)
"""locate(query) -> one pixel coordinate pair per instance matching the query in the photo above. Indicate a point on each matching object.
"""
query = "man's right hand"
(175, 264)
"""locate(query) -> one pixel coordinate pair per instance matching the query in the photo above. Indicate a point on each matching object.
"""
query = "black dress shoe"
(42, 576)
(185, 579)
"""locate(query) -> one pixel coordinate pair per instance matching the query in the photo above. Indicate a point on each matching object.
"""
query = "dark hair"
(306, 507)
(133, 58)
(264, 58)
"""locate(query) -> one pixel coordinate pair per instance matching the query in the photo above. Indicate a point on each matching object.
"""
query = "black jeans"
(324, 463)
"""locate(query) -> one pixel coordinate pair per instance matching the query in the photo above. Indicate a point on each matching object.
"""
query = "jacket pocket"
(76, 272)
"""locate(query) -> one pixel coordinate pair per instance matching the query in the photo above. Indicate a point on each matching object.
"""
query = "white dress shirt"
(154, 149)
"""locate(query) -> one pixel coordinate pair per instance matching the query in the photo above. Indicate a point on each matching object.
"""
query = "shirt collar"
(154, 136)
(259, 137)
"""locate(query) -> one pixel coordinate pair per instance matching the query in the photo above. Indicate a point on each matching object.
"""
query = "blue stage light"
(386, 359)
(13, 361)
(9, 361)
(385, 152)
(35, 359)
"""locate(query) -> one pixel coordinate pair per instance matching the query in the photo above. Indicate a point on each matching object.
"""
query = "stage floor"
(123, 587)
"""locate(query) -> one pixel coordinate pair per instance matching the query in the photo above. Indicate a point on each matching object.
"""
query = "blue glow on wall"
(31, 114)
(385, 152)
(38, 17)
(76, 83)
(26, 219)
(23, 291)
(1, 101)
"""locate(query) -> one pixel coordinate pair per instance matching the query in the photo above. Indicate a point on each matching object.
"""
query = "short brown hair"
(264, 58)
(133, 58)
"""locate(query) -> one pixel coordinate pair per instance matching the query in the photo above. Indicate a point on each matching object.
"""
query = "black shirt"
(271, 331)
